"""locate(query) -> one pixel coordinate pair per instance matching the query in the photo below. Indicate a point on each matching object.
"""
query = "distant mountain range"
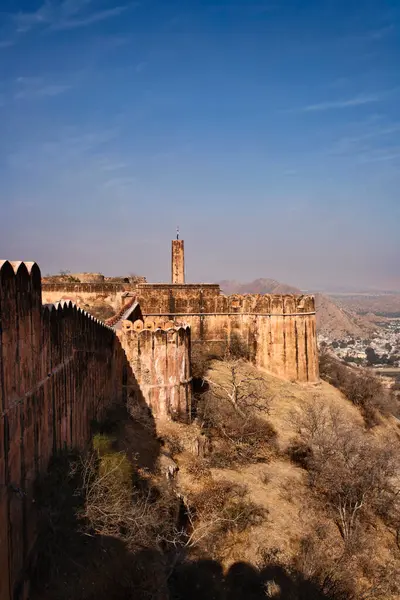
(333, 320)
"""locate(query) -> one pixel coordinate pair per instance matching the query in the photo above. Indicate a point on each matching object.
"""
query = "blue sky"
(268, 129)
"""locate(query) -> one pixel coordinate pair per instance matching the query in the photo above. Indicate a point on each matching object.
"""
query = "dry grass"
(298, 521)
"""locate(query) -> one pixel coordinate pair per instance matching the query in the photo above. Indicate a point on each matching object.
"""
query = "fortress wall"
(159, 356)
(177, 298)
(279, 330)
(86, 294)
(59, 369)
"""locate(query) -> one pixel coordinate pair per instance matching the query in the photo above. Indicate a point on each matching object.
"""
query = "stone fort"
(279, 331)
(61, 369)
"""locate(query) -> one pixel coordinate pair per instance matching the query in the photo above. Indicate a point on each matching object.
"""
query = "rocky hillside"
(273, 490)
(258, 286)
(332, 319)
(336, 322)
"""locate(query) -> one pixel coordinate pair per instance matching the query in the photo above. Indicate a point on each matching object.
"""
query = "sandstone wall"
(86, 294)
(59, 369)
(159, 356)
(279, 330)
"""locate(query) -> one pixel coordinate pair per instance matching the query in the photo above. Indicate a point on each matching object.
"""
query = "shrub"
(241, 438)
(237, 348)
(362, 388)
(173, 443)
(199, 468)
(220, 508)
(350, 470)
(139, 514)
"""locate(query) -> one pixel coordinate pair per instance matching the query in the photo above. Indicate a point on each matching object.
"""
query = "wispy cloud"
(68, 14)
(379, 34)
(46, 90)
(366, 37)
(370, 139)
(109, 165)
(94, 17)
(339, 104)
(382, 155)
(119, 182)
(6, 43)
(37, 87)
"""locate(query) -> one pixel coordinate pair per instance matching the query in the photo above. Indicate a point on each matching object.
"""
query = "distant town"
(379, 350)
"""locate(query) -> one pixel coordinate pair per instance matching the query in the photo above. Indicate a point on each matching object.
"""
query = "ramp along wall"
(159, 355)
(59, 369)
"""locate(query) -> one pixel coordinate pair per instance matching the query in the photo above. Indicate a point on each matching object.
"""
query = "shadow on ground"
(206, 579)
(73, 564)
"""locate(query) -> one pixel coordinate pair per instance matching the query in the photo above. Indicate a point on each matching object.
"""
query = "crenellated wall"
(159, 355)
(59, 369)
(279, 330)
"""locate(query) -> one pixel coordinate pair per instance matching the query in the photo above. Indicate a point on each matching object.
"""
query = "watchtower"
(178, 260)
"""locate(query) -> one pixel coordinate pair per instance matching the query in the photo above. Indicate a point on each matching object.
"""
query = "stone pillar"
(178, 261)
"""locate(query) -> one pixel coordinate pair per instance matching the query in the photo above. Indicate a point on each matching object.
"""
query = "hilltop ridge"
(332, 319)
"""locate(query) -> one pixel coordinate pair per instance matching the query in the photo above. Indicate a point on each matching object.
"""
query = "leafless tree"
(232, 412)
(348, 467)
(113, 506)
(242, 389)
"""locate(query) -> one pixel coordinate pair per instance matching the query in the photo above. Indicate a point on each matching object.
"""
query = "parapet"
(60, 370)
(158, 351)
(268, 304)
(89, 288)
(152, 325)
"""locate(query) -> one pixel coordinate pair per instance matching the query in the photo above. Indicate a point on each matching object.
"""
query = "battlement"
(268, 304)
(60, 369)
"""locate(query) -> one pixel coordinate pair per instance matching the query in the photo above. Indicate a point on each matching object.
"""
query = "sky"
(268, 130)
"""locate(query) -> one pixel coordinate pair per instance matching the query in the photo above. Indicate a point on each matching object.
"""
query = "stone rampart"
(159, 356)
(86, 294)
(278, 330)
(60, 369)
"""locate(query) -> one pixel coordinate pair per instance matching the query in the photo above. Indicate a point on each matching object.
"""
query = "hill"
(274, 490)
(258, 286)
(380, 304)
(337, 322)
(333, 320)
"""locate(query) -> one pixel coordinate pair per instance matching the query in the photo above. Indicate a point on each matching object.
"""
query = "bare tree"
(113, 506)
(350, 469)
(232, 412)
(220, 508)
(242, 389)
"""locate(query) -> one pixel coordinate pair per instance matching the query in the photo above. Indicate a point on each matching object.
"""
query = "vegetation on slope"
(275, 490)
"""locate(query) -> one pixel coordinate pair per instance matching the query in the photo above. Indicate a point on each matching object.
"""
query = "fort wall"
(279, 331)
(59, 369)
(159, 356)
(86, 294)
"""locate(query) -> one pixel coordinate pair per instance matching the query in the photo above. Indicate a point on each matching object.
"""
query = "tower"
(178, 260)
